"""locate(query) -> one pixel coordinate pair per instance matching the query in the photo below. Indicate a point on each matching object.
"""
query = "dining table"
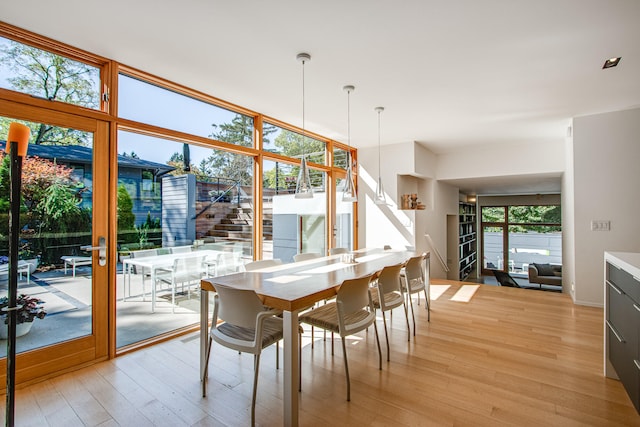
(291, 288)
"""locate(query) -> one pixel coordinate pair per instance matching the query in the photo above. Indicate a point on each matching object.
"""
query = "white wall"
(568, 220)
(606, 178)
(502, 160)
(405, 168)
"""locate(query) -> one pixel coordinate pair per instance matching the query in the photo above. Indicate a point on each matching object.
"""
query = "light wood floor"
(504, 357)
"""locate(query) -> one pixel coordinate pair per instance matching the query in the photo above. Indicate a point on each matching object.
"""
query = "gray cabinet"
(622, 322)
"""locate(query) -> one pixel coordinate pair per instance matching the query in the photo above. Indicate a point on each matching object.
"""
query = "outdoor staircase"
(238, 225)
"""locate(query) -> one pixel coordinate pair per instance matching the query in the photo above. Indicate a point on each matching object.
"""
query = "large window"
(148, 103)
(47, 75)
(515, 236)
(292, 144)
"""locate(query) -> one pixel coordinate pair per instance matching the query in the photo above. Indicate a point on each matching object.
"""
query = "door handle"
(101, 248)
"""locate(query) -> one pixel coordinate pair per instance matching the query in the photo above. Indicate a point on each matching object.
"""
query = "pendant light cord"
(379, 171)
(304, 137)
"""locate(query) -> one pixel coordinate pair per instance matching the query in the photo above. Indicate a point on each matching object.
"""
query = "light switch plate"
(600, 225)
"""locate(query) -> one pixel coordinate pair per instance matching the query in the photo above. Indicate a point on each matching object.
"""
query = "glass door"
(493, 255)
(64, 214)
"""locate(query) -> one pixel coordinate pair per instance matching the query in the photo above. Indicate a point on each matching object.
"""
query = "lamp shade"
(18, 133)
(303, 185)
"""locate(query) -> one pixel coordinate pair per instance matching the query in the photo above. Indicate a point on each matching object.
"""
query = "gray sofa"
(545, 274)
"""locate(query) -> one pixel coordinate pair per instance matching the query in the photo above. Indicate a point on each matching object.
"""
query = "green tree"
(53, 77)
(59, 211)
(126, 217)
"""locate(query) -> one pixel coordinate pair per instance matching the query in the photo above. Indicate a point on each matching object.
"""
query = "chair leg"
(332, 343)
(206, 370)
(375, 329)
(346, 369)
(413, 316)
(406, 316)
(299, 362)
(256, 359)
(428, 305)
(277, 356)
(386, 335)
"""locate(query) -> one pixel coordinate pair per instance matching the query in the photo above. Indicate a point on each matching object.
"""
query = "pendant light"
(380, 198)
(349, 194)
(303, 185)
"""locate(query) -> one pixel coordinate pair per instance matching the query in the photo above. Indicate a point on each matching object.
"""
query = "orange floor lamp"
(17, 144)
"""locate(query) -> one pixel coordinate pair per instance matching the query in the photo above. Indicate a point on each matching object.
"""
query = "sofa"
(545, 274)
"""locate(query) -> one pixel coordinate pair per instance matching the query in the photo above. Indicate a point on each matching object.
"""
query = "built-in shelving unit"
(462, 242)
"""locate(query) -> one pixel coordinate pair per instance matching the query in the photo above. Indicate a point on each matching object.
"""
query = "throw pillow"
(544, 269)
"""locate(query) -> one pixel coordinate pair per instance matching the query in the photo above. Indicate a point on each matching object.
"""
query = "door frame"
(69, 355)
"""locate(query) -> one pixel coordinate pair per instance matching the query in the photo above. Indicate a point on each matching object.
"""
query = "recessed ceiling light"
(611, 62)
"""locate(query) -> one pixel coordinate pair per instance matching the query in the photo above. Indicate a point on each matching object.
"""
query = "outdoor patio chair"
(185, 270)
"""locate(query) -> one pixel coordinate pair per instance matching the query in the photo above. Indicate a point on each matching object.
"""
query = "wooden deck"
(490, 356)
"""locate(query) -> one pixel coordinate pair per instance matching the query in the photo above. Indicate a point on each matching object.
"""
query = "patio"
(67, 300)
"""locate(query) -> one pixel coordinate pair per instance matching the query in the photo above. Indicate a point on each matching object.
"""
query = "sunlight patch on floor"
(436, 291)
(465, 293)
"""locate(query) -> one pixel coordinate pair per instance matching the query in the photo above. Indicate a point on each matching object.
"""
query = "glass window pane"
(47, 75)
(292, 144)
(186, 219)
(493, 214)
(535, 214)
(292, 225)
(534, 244)
(55, 222)
(147, 103)
(340, 158)
(344, 218)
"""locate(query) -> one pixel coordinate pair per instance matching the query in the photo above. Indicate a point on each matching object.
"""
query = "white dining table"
(290, 288)
(154, 263)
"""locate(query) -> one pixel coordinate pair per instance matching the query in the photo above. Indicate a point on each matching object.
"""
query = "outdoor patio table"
(292, 287)
(75, 261)
(155, 263)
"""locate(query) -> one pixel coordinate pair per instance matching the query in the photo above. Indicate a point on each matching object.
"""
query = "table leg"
(291, 366)
(153, 290)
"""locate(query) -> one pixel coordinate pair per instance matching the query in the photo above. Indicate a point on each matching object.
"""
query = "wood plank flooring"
(496, 357)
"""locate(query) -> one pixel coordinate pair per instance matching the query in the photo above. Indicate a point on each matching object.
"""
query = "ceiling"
(450, 73)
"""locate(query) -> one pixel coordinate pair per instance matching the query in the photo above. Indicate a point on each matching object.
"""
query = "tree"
(126, 217)
(53, 77)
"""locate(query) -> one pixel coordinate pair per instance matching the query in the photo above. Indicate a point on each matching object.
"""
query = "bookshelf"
(462, 242)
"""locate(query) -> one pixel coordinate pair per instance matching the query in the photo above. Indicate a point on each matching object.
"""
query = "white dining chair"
(351, 312)
(415, 282)
(247, 326)
(306, 256)
(337, 251)
(387, 294)
(263, 263)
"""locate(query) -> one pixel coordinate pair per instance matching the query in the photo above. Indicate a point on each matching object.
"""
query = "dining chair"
(415, 282)
(180, 249)
(247, 326)
(306, 256)
(263, 263)
(389, 294)
(351, 312)
(184, 270)
(337, 251)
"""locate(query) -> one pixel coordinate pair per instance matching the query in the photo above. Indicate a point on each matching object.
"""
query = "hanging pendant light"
(349, 194)
(380, 198)
(303, 184)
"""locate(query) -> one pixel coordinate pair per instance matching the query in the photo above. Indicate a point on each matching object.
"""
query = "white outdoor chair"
(184, 270)
(247, 327)
(389, 294)
(306, 256)
(144, 272)
(350, 313)
(181, 249)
